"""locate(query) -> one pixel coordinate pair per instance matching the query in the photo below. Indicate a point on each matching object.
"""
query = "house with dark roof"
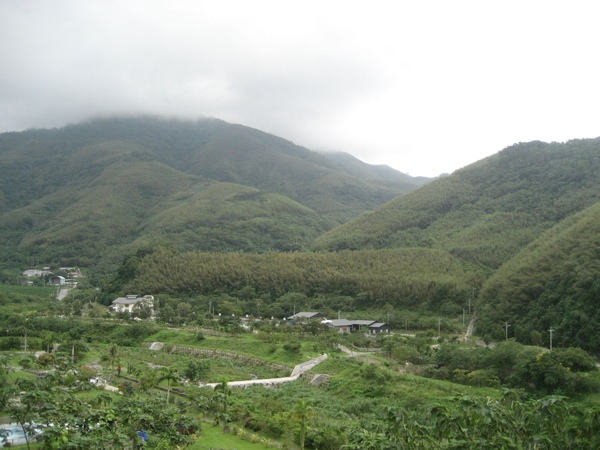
(379, 327)
(340, 325)
(351, 325)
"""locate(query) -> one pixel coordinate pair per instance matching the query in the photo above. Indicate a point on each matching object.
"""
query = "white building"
(126, 304)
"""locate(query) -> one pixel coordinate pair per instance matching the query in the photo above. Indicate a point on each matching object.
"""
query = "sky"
(425, 87)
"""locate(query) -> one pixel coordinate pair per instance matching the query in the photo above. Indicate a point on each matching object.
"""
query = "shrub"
(292, 347)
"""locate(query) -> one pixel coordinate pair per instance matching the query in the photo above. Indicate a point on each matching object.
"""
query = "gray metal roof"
(305, 315)
(339, 323)
(127, 300)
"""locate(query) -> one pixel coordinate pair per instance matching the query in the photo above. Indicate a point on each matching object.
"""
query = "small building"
(341, 325)
(37, 273)
(357, 325)
(127, 303)
(57, 280)
(379, 327)
(72, 272)
(350, 326)
(303, 317)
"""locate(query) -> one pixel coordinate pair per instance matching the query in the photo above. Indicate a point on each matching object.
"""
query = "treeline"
(395, 277)
(552, 284)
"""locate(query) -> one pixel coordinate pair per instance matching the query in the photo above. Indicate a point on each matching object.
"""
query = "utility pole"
(506, 325)
(464, 311)
(471, 298)
(551, 330)
(439, 323)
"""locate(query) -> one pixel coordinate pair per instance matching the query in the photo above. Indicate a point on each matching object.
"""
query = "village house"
(37, 273)
(57, 280)
(351, 326)
(303, 317)
(127, 303)
(72, 272)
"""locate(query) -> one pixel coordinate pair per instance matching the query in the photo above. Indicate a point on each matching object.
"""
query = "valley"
(484, 284)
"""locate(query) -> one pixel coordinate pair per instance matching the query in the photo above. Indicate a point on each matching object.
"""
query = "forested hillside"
(210, 208)
(553, 283)
(87, 193)
(397, 278)
(528, 218)
(487, 212)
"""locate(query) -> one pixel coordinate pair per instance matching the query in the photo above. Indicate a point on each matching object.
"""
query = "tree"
(196, 370)
(147, 381)
(303, 413)
(72, 344)
(171, 376)
(112, 356)
(222, 393)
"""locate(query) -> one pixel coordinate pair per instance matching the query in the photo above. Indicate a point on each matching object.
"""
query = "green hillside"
(553, 283)
(378, 174)
(86, 193)
(485, 213)
(227, 217)
(399, 278)
(221, 209)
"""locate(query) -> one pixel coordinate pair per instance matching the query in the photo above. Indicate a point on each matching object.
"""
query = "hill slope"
(486, 212)
(88, 191)
(553, 283)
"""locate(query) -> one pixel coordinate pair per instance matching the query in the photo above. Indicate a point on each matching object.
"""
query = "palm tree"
(222, 394)
(303, 412)
(25, 329)
(169, 375)
(48, 338)
(113, 356)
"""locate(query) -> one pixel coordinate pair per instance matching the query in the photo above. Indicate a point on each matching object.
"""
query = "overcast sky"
(424, 86)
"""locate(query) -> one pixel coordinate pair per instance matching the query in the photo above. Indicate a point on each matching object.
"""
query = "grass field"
(214, 438)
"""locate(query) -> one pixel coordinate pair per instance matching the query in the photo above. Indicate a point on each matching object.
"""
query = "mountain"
(377, 174)
(486, 212)
(90, 191)
(524, 223)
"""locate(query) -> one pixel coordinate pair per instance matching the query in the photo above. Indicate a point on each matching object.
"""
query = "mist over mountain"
(85, 192)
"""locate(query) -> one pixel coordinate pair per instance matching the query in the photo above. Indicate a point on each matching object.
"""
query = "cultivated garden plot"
(396, 390)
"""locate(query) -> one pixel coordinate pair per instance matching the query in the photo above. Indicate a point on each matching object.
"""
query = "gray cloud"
(425, 88)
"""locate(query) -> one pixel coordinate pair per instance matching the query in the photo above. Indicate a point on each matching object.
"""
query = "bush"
(292, 347)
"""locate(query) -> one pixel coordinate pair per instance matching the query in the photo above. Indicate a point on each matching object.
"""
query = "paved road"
(62, 293)
(471, 327)
(296, 373)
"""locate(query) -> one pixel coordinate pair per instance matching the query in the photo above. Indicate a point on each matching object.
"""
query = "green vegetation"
(552, 284)
(417, 392)
(406, 277)
(484, 213)
(216, 220)
(107, 185)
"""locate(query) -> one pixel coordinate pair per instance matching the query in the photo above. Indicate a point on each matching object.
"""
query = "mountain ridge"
(117, 174)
